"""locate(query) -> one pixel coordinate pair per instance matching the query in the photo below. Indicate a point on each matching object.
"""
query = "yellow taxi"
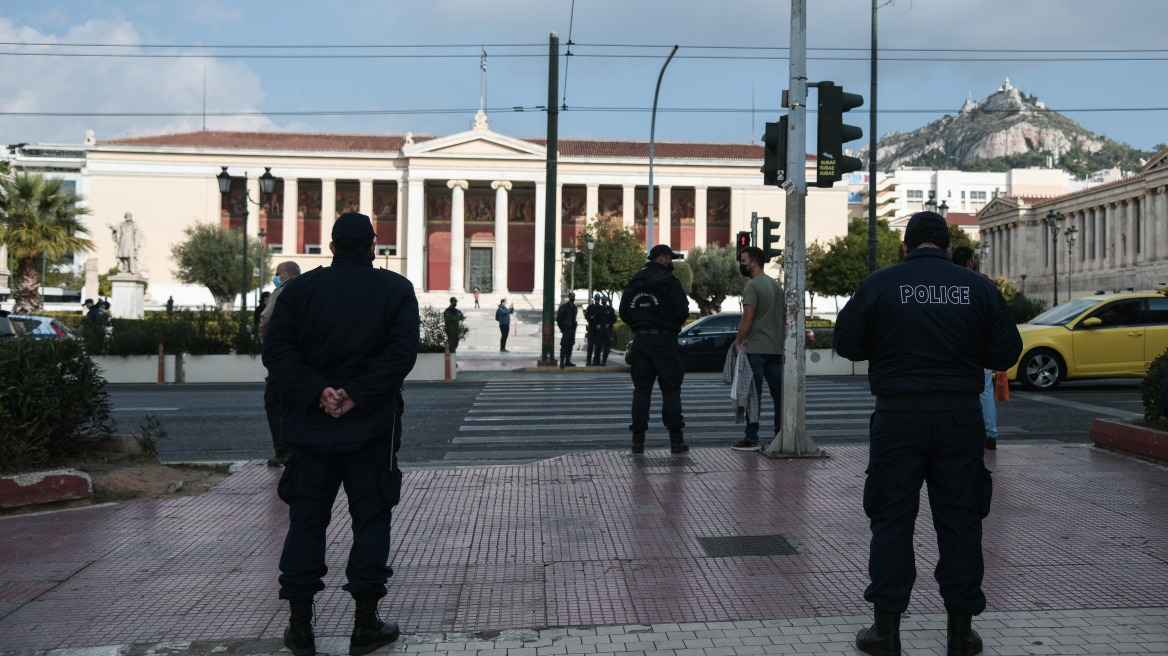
(1101, 336)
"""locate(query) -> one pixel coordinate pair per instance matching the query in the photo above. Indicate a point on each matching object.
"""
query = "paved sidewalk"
(604, 552)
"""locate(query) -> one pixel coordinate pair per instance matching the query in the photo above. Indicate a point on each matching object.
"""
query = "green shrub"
(1024, 308)
(433, 337)
(620, 335)
(197, 332)
(52, 399)
(1150, 388)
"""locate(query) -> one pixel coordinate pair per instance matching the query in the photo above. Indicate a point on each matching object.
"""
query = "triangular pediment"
(999, 204)
(476, 143)
(1157, 162)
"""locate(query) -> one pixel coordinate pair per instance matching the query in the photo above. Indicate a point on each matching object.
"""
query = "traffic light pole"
(792, 441)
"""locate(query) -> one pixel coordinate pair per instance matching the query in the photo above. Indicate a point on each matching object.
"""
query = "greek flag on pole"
(483, 61)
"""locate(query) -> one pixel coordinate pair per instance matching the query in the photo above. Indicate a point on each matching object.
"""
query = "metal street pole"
(872, 156)
(652, 138)
(1070, 231)
(551, 212)
(243, 290)
(792, 441)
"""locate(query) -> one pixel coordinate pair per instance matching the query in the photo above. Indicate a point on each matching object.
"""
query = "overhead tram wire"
(568, 54)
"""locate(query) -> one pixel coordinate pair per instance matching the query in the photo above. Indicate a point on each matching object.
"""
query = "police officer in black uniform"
(590, 336)
(340, 347)
(566, 320)
(928, 329)
(655, 306)
(606, 319)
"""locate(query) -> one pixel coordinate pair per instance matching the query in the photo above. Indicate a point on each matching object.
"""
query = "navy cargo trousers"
(945, 450)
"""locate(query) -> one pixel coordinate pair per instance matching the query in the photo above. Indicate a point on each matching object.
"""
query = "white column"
(291, 216)
(499, 263)
(541, 211)
(328, 211)
(664, 215)
(739, 217)
(365, 198)
(559, 239)
(398, 242)
(457, 232)
(1158, 217)
(628, 203)
(591, 201)
(700, 215)
(415, 252)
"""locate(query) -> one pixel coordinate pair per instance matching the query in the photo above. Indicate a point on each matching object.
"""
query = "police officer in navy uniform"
(928, 330)
(340, 347)
(566, 320)
(655, 306)
(606, 319)
(590, 336)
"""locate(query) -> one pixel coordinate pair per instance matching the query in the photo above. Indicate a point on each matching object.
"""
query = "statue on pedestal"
(127, 241)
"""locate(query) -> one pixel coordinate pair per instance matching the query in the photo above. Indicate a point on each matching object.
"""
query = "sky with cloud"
(141, 67)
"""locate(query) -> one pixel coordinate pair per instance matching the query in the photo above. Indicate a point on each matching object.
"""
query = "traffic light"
(774, 163)
(833, 133)
(743, 242)
(769, 238)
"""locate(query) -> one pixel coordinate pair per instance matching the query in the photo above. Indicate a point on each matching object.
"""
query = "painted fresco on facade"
(272, 216)
(385, 212)
(479, 206)
(231, 205)
(681, 225)
(610, 202)
(308, 211)
(718, 216)
(573, 214)
(348, 197)
(437, 205)
(522, 206)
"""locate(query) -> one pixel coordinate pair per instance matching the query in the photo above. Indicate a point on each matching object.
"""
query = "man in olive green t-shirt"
(761, 332)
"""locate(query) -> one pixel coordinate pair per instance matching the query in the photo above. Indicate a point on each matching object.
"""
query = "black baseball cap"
(926, 220)
(354, 226)
(661, 249)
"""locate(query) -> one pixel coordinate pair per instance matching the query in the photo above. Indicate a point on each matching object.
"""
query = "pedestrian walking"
(566, 320)
(476, 297)
(452, 320)
(503, 316)
(761, 331)
(259, 310)
(655, 306)
(928, 329)
(963, 257)
(590, 337)
(341, 418)
(285, 271)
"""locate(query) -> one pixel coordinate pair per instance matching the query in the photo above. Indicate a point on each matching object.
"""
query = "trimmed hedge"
(1150, 388)
(197, 332)
(52, 399)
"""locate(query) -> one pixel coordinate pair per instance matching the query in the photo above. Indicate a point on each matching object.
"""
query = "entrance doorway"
(478, 268)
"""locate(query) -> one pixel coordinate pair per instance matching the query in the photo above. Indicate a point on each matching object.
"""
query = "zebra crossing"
(513, 421)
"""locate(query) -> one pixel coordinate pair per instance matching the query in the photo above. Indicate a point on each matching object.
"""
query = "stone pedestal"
(129, 296)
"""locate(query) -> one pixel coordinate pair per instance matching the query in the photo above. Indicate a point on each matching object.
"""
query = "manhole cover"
(747, 545)
(643, 461)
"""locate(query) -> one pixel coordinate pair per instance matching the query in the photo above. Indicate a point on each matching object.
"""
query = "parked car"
(6, 330)
(704, 343)
(37, 327)
(1103, 336)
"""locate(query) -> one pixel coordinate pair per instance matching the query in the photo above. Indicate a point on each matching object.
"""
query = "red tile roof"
(1105, 185)
(364, 143)
(962, 219)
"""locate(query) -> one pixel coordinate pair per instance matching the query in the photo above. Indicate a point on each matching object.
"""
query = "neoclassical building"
(452, 212)
(1120, 234)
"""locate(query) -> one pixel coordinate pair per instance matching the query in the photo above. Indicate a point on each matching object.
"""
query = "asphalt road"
(509, 417)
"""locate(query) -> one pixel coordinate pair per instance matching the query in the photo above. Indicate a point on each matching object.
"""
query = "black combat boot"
(638, 442)
(369, 631)
(677, 442)
(883, 637)
(562, 361)
(963, 640)
(298, 637)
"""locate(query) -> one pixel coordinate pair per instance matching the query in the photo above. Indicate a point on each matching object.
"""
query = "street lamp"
(982, 247)
(1054, 221)
(267, 186)
(591, 242)
(943, 210)
(1070, 232)
(572, 259)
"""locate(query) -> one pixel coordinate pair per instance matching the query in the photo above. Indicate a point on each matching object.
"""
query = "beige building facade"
(452, 213)
(1120, 236)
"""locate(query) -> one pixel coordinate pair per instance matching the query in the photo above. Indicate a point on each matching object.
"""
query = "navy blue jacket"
(927, 326)
(344, 326)
(671, 314)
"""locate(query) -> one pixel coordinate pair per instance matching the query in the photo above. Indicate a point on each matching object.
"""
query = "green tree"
(715, 276)
(959, 237)
(616, 256)
(845, 263)
(684, 274)
(212, 256)
(39, 218)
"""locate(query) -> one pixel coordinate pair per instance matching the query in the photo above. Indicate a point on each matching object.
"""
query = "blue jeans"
(989, 411)
(945, 450)
(769, 367)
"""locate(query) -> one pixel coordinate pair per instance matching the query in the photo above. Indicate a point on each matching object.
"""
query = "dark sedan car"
(704, 343)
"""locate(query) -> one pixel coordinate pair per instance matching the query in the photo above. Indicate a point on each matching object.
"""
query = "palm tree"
(38, 219)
